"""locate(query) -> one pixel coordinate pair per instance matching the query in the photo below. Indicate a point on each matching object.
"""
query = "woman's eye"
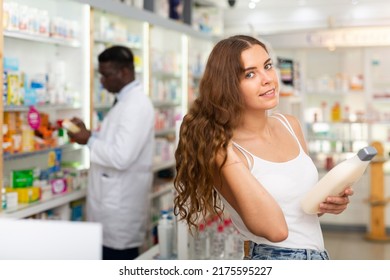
(249, 75)
(268, 66)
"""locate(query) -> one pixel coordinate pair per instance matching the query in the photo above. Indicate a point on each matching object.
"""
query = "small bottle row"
(23, 18)
(48, 87)
(217, 240)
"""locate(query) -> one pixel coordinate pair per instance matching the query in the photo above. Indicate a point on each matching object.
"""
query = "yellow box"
(13, 96)
(26, 195)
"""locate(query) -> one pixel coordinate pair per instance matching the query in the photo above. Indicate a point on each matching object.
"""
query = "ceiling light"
(354, 2)
(252, 5)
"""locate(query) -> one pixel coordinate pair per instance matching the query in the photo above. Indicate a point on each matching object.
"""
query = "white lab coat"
(120, 176)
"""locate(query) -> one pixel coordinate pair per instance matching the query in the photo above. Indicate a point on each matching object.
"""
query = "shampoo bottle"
(343, 175)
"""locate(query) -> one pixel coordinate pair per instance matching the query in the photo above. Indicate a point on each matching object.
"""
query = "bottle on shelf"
(324, 111)
(201, 241)
(218, 244)
(229, 240)
(165, 236)
(336, 112)
(346, 115)
(234, 244)
(3, 199)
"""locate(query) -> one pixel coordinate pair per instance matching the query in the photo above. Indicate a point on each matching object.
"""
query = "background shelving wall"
(199, 50)
(41, 39)
(108, 30)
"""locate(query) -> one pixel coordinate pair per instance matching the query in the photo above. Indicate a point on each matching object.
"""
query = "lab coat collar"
(127, 88)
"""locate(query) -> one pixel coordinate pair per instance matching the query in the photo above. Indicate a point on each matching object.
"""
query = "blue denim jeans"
(269, 252)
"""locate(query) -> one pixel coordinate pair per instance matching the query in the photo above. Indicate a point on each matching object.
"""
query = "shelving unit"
(40, 38)
(197, 59)
(64, 148)
(65, 84)
(110, 29)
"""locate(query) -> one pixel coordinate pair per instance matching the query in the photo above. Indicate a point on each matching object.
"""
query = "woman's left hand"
(336, 204)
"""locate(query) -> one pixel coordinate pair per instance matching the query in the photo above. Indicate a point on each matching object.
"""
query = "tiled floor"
(354, 246)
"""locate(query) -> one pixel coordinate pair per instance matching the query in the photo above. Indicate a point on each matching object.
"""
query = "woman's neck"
(253, 125)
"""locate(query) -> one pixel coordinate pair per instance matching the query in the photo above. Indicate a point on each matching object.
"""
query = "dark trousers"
(114, 254)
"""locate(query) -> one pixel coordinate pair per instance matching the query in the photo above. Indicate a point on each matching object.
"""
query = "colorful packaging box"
(26, 195)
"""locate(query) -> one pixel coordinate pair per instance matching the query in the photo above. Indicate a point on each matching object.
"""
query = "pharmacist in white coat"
(120, 175)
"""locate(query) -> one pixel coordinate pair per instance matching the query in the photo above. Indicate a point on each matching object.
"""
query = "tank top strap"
(245, 153)
(287, 125)
(285, 122)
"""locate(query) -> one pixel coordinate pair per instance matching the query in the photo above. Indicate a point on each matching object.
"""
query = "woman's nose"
(266, 78)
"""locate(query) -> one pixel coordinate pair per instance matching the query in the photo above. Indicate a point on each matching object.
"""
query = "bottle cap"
(367, 153)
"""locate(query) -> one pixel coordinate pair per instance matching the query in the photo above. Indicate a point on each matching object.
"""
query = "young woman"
(231, 148)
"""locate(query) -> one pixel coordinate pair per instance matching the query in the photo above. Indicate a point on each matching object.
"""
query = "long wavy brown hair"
(207, 130)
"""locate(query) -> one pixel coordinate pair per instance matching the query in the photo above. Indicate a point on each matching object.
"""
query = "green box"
(22, 178)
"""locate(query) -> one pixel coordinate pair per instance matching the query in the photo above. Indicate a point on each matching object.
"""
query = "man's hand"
(83, 135)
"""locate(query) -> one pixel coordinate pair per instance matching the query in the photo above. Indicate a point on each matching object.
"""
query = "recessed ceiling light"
(252, 5)
(354, 2)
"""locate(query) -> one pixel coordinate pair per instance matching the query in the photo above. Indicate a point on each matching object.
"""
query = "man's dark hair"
(120, 55)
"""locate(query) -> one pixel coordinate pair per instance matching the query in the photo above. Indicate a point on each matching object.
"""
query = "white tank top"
(287, 182)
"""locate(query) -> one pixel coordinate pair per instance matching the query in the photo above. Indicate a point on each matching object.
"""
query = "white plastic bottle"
(165, 237)
(238, 245)
(218, 244)
(229, 239)
(343, 175)
(200, 244)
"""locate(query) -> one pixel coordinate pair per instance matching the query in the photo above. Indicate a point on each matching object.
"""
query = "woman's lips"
(267, 93)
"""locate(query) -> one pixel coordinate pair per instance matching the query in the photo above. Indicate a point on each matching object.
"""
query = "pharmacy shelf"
(27, 210)
(165, 104)
(42, 39)
(161, 75)
(164, 132)
(163, 165)
(335, 93)
(64, 148)
(166, 188)
(102, 107)
(133, 46)
(46, 107)
(120, 9)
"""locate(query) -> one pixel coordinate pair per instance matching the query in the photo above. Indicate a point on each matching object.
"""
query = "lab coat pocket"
(110, 192)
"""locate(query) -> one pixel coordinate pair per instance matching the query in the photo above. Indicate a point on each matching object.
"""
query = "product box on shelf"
(58, 185)
(26, 195)
(22, 178)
